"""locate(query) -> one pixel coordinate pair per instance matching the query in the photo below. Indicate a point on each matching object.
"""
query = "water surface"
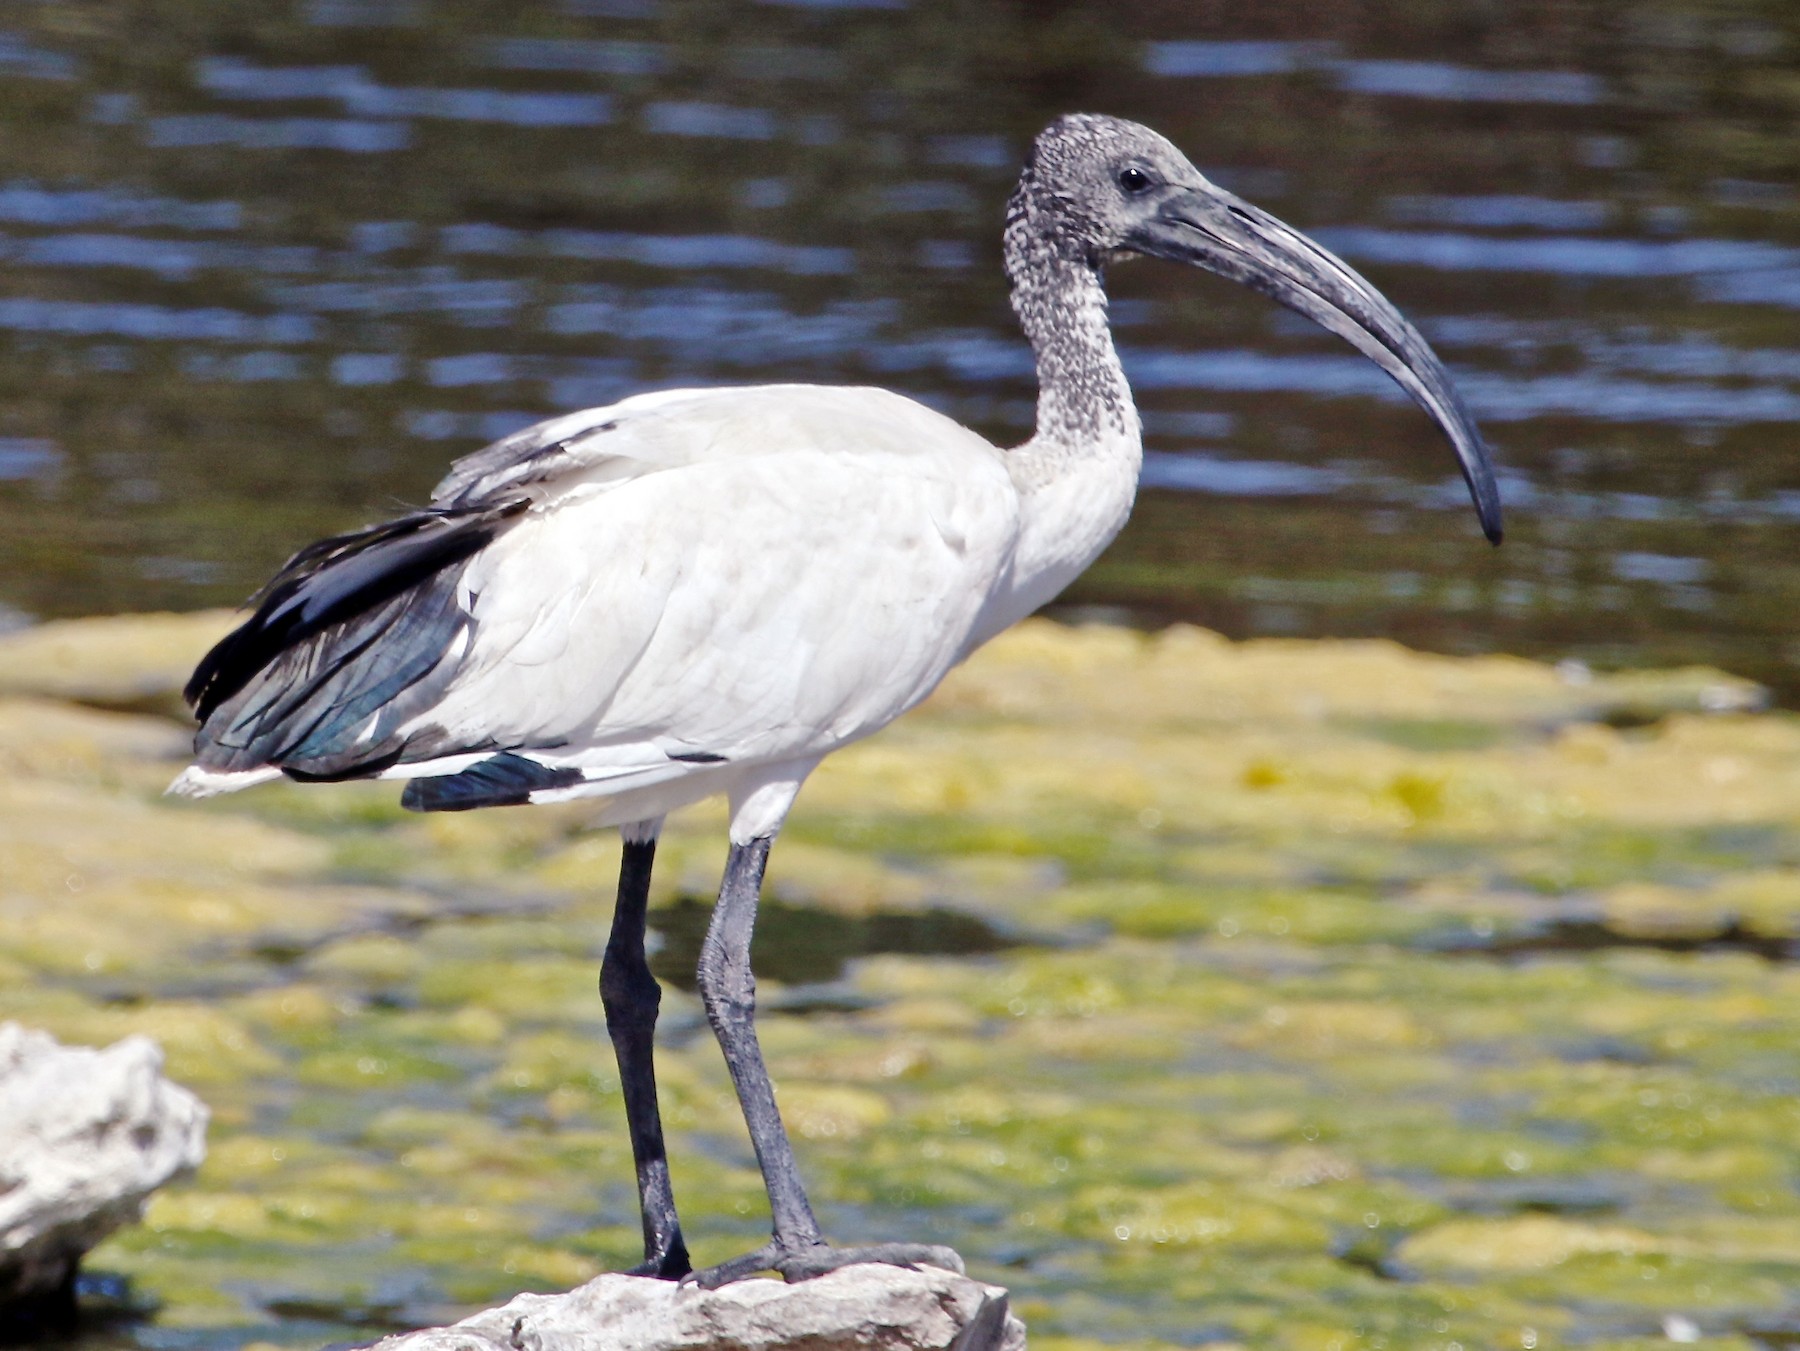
(265, 274)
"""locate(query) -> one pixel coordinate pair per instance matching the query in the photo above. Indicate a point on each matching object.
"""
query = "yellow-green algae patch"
(136, 662)
(1335, 997)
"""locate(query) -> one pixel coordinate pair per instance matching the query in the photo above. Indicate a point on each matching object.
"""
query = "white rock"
(85, 1136)
(860, 1308)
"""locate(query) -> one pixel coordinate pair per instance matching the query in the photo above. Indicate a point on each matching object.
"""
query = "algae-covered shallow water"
(1291, 995)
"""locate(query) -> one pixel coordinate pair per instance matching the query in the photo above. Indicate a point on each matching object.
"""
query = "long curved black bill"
(1210, 228)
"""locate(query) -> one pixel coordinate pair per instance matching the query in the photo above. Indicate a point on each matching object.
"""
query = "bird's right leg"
(797, 1249)
(632, 998)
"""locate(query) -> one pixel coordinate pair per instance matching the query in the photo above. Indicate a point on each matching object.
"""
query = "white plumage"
(707, 591)
(760, 575)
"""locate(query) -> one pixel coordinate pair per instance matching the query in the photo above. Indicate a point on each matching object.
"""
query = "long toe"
(806, 1263)
(764, 1258)
(803, 1263)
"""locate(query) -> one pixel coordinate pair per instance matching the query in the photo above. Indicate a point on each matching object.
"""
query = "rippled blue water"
(262, 275)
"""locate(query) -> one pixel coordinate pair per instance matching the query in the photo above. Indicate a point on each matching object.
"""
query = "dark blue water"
(264, 271)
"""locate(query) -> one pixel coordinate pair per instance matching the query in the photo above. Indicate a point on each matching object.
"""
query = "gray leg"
(632, 997)
(797, 1250)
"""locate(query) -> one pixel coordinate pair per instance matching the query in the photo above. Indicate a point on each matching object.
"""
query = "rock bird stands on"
(707, 591)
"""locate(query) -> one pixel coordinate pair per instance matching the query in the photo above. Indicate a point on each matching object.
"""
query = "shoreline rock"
(860, 1308)
(85, 1136)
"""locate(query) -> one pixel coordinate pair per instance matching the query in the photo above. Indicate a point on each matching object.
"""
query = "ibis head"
(1096, 189)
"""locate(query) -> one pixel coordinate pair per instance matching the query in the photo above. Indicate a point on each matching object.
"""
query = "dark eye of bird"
(1134, 180)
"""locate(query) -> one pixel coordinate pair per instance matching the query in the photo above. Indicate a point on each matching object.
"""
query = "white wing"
(680, 581)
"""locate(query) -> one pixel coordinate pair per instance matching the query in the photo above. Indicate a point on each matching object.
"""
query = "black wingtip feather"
(335, 580)
(503, 780)
(363, 769)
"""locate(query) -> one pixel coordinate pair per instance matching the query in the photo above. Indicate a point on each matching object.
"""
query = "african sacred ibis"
(706, 591)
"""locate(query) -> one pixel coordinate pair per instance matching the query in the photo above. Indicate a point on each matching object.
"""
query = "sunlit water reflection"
(263, 279)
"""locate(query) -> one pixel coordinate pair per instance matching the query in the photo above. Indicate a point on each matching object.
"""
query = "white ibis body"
(706, 591)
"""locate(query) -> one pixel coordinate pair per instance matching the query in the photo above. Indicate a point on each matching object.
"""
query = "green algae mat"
(1321, 996)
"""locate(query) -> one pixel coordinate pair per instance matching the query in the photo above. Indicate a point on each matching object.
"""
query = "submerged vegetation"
(1291, 995)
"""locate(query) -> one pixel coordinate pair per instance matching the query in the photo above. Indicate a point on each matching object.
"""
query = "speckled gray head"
(1074, 184)
(1095, 188)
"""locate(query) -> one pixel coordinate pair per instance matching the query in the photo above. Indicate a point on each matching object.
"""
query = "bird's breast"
(1073, 501)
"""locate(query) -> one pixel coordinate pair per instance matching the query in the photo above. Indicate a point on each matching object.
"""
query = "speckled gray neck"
(1059, 297)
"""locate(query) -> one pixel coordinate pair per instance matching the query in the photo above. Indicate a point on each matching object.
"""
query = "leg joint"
(628, 987)
(727, 987)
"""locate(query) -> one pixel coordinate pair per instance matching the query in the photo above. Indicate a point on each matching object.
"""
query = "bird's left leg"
(797, 1250)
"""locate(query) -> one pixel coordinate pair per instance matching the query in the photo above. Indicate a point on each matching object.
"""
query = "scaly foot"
(671, 1265)
(803, 1261)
